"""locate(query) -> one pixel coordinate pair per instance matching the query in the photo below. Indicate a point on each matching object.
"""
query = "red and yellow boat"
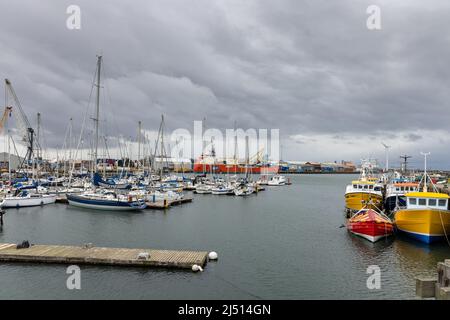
(370, 224)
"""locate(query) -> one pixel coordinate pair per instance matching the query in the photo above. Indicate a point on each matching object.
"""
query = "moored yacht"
(27, 199)
(277, 180)
(106, 201)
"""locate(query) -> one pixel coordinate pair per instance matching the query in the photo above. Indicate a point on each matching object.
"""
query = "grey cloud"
(306, 67)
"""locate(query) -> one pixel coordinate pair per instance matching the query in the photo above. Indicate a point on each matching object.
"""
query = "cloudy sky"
(312, 69)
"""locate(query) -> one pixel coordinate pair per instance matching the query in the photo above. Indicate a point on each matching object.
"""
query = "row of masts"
(34, 150)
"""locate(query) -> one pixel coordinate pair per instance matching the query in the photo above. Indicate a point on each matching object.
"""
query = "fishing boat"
(395, 194)
(106, 201)
(277, 180)
(370, 224)
(366, 191)
(27, 199)
(426, 216)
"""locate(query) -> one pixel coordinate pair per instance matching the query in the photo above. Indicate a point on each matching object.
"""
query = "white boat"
(157, 195)
(263, 180)
(26, 199)
(203, 189)
(222, 189)
(244, 190)
(277, 180)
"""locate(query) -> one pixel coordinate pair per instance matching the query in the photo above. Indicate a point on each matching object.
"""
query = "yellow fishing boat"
(426, 216)
(365, 192)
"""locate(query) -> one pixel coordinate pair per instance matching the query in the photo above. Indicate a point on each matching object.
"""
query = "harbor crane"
(27, 133)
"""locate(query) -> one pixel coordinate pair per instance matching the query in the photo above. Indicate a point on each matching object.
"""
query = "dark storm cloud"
(306, 67)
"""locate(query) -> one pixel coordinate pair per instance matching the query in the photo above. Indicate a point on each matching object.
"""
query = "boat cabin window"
(397, 189)
(355, 186)
(377, 188)
(366, 187)
(440, 203)
(370, 187)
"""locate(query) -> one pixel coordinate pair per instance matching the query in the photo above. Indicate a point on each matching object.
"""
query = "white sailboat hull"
(20, 202)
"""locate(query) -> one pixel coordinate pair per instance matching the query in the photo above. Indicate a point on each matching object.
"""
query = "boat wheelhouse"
(395, 194)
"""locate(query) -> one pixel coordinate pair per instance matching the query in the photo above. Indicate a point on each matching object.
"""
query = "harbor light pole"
(386, 148)
(425, 154)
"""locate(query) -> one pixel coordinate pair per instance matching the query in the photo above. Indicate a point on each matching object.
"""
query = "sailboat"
(103, 200)
(27, 199)
(426, 216)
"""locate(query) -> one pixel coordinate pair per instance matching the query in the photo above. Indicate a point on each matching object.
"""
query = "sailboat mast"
(139, 145)
(97, 111)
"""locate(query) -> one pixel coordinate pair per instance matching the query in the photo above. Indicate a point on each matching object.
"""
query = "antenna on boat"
(425, 154)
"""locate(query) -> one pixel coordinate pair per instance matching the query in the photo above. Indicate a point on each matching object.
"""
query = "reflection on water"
(284, 243)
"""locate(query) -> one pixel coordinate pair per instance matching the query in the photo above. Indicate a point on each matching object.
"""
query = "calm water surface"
(284, 243)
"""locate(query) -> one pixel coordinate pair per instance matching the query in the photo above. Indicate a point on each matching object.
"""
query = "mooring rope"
(443, 227)
(239, 288)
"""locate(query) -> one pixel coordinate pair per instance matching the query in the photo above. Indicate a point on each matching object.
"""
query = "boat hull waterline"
(109, 205)
(425, 225)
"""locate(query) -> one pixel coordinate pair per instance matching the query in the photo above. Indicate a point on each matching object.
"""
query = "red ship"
(210, 164)
(371, 225)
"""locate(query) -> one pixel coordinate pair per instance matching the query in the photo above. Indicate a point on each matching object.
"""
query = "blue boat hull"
(110, 205)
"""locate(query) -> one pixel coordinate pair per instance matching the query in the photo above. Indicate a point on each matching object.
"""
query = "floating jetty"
(89, 255)
(164, 204)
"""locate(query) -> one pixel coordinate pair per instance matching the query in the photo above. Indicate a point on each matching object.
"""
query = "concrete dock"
(87, 254)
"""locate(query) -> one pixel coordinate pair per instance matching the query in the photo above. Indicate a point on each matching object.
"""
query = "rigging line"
(107, 94)
(83, 124)
(443, 227)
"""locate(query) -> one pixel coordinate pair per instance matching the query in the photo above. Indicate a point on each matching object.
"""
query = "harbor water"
(283, 243)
